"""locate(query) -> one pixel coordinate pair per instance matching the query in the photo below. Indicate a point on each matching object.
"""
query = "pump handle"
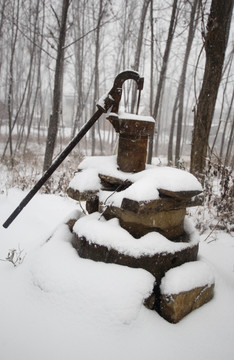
(112, 99)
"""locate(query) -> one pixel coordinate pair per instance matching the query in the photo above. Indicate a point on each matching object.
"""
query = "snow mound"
(71, 321)
(87, 180)
(120, 290)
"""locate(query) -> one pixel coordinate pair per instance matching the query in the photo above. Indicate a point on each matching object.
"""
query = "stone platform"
(139, 220)
(104, 240)
(154, 199)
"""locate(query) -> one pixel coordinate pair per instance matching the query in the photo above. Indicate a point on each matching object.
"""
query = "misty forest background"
(57, 58)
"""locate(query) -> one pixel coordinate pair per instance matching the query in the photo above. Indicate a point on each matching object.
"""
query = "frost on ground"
(56, 305)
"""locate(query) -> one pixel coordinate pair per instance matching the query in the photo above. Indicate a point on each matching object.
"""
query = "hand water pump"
(112, 99)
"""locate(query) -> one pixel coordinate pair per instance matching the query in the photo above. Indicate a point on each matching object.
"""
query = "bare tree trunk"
(79, 30)
(150, 145)
(172, 128)
(230, 144)
(31, 80)
(38, 77)
(170, 36)
(159, 117)
(151, 56)
(138, 48)
(225, 127)
(15, 19)
(58, 90)
(215, 45)
(96, 73)
(181, 87)
(2, 19)
(229, 64)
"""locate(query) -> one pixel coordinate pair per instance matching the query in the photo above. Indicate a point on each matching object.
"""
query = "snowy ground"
(57, 306)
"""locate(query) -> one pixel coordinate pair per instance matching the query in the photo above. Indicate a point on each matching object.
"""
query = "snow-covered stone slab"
(144, 186)
(86, 180)
(162, 204)
(184, 289)
(102, 240)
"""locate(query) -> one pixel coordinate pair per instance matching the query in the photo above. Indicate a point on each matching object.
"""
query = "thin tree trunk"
(151, 56)
(162, 77)
(150, 145)
(225, 127)
(222, 105)
(2, 19)
(96, 72)
(181, 88)
(11, 79)
(230, 144)
(58, 90)
(138, 48)
(172, 128)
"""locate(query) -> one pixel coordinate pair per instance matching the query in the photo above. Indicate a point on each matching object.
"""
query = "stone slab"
(156, 264)
(161, 204)
(174, 307)
(81, 196)
(169, 223)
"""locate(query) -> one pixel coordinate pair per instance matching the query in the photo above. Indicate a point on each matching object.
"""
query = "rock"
(149, 303)
(169, 223)
(81, 196)
(173, 307)
(184, 289)
(179, 194)
(157, 264)
(92, 205)
(112, 183)
(161, 204)
(71, 219)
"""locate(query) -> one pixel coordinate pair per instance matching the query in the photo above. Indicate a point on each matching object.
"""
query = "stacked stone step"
(164, 215)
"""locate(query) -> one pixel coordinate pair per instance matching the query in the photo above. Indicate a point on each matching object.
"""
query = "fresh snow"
(57, 306)
(87, 180)
(187, 277)
(109, 233)
(145, 183)
(128, 116)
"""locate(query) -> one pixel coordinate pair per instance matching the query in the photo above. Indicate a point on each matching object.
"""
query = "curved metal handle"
(127, 75)
(114, 96)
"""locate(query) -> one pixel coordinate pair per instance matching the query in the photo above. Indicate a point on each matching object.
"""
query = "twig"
(213, 230)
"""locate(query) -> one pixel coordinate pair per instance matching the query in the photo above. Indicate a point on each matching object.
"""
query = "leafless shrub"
(27, 171)
(216, 212)
(15, 256)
